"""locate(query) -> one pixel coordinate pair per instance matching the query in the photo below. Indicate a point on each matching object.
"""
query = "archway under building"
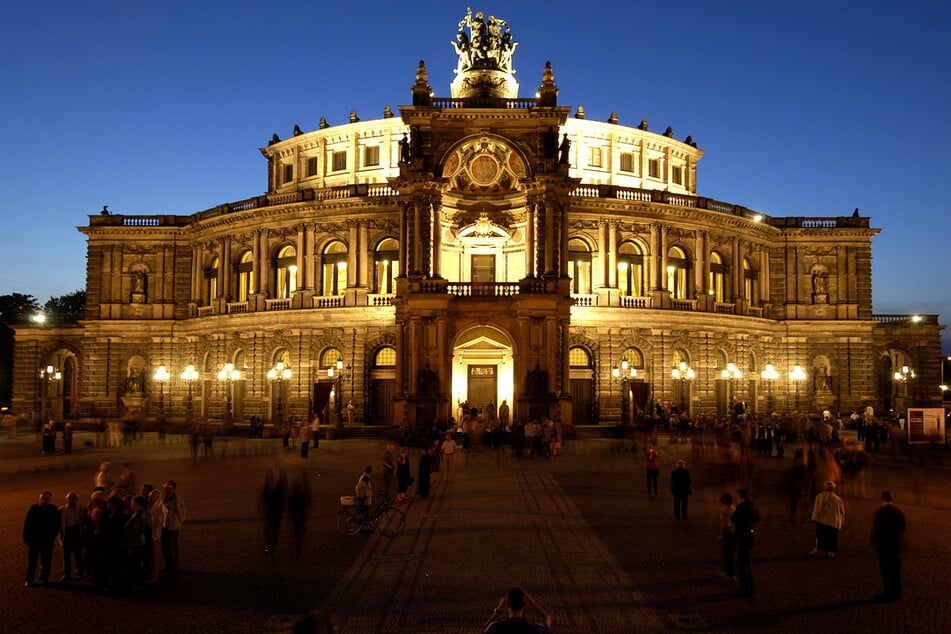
(483, 374)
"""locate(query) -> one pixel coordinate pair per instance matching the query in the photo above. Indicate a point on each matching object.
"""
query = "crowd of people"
(120, 540)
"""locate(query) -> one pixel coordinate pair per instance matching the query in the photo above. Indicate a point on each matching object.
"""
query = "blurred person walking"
(40, 528)
(888, 531)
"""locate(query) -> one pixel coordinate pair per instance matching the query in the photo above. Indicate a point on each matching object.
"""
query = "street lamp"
(624, 374)
(731, 374)
(189, 375)
(49, 374)
(796, 376)
(902, 376)
(228, 374)
(161, 376)
(685, 374)
(278, 374)
(769, 374)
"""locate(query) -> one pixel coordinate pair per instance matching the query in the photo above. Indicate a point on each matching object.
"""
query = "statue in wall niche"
(405, 152)
(819, 283)
(537, 383)
(427, 382)
(139, 286)
(134, 382)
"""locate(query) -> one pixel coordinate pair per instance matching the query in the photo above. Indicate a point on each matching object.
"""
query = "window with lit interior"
(245, 276)
(718, 272)
(285, 271)
(579, 266)
(678, 268)
(210, 289)
(333, 266)
(386, 266)
(630, 269)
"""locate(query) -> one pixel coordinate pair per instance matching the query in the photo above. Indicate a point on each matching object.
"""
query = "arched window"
(333, 264)
(721, 360)
(579, 357)
(718, 272)
(285, 267)
(385, 358)
(210, 279)
(749, 282)
(386, 266)
(244, 270)
(677, 271)
(630, 269)
(579, 266)
(634, 358)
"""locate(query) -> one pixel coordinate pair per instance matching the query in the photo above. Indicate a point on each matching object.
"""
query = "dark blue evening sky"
(804, 108)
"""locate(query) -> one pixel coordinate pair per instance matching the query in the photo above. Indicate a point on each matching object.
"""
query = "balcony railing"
(584, 300)
(277, 304)
(236, 307)
(328, 301)
(379, 300)
(930, 320)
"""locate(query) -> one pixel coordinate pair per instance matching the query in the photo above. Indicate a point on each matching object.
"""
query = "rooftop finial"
(422, 91)
(548, 91)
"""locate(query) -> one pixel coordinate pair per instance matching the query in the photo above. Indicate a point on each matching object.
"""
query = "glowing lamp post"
(731, 375)
(796, 376)
(685, 374)
(189, 375)
(278, 374)
(161, 377)
(228, 374)
(769, 374)
(49, 375)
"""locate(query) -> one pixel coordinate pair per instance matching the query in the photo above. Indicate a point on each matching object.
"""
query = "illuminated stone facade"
(477, 248)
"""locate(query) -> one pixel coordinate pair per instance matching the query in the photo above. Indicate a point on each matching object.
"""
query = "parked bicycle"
(354, 517)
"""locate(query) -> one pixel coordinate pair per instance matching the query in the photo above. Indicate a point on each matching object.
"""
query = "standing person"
(127, 480)
(512, 606)
(744, 519)
(449, 457)
(136, 535)
(888, 530)
(72, 519)
(68, 437)
(273, 501)
(40, 528)
(363, 491)
(298, 505)
(653, 468)
(425, 473)
(404, 480)
(171, 532)
(49, 438)
(306, 435)
(157, 514)
(727, 537)
(389, 468)
(828, 513)
(680, 486)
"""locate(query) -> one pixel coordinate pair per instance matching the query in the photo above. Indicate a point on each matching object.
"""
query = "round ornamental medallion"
(516, 165)
(484, 169)
(451, 165)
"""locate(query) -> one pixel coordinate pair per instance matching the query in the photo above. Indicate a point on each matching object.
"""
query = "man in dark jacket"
(40, 528)
(888, 529)
(744, 519)
(680, 486)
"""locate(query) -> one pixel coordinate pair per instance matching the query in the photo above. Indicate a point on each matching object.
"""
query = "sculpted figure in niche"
(819, 279)
(428, 382)
(537, 382)
(139, 286)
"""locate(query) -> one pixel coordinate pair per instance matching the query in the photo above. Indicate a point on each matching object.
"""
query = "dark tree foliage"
(16, 306)
(72, 304)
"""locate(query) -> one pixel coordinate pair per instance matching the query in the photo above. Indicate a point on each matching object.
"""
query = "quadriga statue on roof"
(487, 45)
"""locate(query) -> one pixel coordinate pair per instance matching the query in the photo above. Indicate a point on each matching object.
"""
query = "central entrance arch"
(482, 368)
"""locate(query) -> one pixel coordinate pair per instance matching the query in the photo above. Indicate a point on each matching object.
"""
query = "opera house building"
(474, 249)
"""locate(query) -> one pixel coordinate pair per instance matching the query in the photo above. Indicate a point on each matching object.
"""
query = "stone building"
(472, 250)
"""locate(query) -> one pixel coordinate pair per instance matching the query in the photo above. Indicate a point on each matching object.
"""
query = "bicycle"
(385, 517)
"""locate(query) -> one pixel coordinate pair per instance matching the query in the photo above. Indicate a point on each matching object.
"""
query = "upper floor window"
(287, 173)
(653, 168)
(627, 162)
(210, 275)
(245, 276)
(339, 161)
(386, 265)
(677, 273)
(333, 265)
(371, 155)
(718, 272)
(677, 175)
(285, 267)
(630, 269)
(594, 157)
(312, 166)
(749, 282)
(579, 266)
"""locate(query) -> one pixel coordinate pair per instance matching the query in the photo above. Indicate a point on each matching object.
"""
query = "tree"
(70, 305)
(17, 306)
